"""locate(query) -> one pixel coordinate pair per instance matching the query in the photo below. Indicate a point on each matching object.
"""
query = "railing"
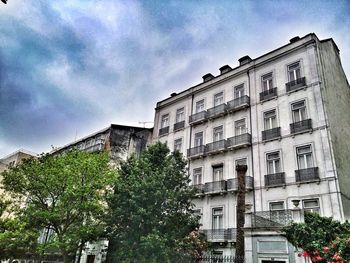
(238, 103)
(95, 148)
(300, 126)
(198, 117)
(271, 134)
(295, 84)
(232, 184)
(239, 140)
(216, 111)
(220, 234)
(195, 151)
(215, 146)
(275, 218)
(212, 259)
(179, 125)
(308, 174)
(275, 179)
(215, 187)
(268, 94)
(163, 131)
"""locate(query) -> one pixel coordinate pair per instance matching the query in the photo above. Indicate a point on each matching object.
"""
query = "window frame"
(270, 122)
(221, 97)
(235, 90)
(197, 171)
(218, 128)
(195, 141)
(298, 109)
(178, 139)
(305, 159)
(294, 74)
(218, 168)
(201, 101)
(267, 81)
(312, 208)
(218, 215)
(177, 119)
(274, 162)
(164, 116)
(245, 125)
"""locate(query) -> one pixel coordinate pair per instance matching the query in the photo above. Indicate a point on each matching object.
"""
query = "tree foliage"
(151, 217)
(322, 239)
(65, 193)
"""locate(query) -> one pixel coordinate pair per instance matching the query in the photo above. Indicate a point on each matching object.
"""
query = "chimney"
(207, 77)
(294, 39)
(225, 69)
(244, 60)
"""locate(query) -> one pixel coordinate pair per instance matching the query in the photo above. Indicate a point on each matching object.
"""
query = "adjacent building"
(286, 115)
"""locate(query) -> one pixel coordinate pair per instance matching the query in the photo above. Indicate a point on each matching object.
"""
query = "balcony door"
(218, 133)
(240, 127)
(299, 111)
(304, 156)
(217, 220)
(199, 106)
(218, 173)
(273, 163)
(239, 91)
(198, 139)
(294, 71)
(270, 120)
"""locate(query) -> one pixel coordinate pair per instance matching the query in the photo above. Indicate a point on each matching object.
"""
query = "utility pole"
(240, 210)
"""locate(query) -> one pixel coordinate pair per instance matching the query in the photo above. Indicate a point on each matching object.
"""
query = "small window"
(311, 205)
(217, 218)
(218, 99)
(273, 163)
(239, 91)
(276, 206)
(218, 133)
(299, 111)
(180, 115)
(199, 106)
(198, 139)
(178, 145)
(270, 120)
(197, 176)
(218, 173)
(165, 121)
(267, 83)
(294, 71)
(304, 157)
(240, 127)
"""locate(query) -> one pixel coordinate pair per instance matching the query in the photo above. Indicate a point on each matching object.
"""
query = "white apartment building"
(286, 115)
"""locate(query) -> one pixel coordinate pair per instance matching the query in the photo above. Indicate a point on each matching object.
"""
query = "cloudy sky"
(72, 67)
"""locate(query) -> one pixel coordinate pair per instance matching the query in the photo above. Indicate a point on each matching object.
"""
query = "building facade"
(279, 114)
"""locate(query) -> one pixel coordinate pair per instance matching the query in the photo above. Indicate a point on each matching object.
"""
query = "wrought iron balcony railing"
(295, 84)
(301, 126)
(271, 219)
(216, 111)
(198, 117)
(276, 179)
(232, 184)
(215, 187)
(308, 174)
(179, 125)
(214, 147)
(244, 139)
(222, 234)
(196, 151)
(238, 103)
(268, 94)
(97, 147)
(271, 134)
(163, 131)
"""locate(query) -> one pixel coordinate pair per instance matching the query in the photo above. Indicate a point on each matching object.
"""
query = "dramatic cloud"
(71, 67)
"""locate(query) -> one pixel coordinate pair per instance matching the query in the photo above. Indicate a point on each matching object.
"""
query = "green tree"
(322, 239)
(151, 217)
(65, 193)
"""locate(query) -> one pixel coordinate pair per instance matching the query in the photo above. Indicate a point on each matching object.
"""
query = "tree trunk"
(240, 210)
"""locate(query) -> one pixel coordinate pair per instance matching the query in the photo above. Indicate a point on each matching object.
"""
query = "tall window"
(180, 115)
(217, 221)
(273, 163)
(218, 99)
(199, 106)
(218, 173)
(294, 72)
(304, 156)
(240, 127)
(165, 121)
(267, 83)
(239, 91)
(198, 139)
(218, 133)
(299, 111)
(197, 176)
(311, 205)
(270, 120)
(178, 144)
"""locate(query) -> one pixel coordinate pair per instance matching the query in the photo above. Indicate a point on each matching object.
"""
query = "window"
(273, 163)
(180, 115)
(239, 91)
(276, 206)
(304, 157)
(89, 143)
(218, 173)
(299, 111)
(165, 121)
(199, 106)
(240, 127)
(270, 120)
(311, 205)
(294, 72)
(198, 139)
(218, 99)
(178, 144)
(197, 176)
(267, 82)
(217, 222)
(218, 133)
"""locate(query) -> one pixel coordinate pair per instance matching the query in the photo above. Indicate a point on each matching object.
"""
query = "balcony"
(271, 219)
(232, 184)
(198, 118)
(268, 94)
(277, 179)
(217, 187)
(301, 126)
(216, 111)
(307, 175)
(239, 141)
(163, 131)
(179, 125)
(295, 84)
(215, 147)
(220, 235)
(97, 147)
(272, 134)
(196, 152)
(199, 188)
(238, 103)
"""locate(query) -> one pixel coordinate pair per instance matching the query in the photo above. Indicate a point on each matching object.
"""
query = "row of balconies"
(301, 176)
(290, 86)
(223, 186)
(232, 143)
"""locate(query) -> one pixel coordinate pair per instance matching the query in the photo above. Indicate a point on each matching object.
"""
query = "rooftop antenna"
(144, 123)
